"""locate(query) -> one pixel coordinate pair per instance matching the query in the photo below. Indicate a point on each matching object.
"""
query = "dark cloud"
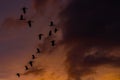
(93, 60)
(90, 24)
(80, 62)
(92, 19)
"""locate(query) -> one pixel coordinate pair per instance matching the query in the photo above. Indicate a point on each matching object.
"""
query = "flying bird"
(50, 33)
(31, 63)
(40, 36)
(53, 42)
(55, 30)
(33, 56)
(21, 17)
(24, 10)
(18, 74)
(26, 68)
(51, 23)
(38, 50)
(30, 23)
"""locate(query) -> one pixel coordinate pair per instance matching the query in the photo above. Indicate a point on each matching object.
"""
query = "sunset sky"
(87, 41)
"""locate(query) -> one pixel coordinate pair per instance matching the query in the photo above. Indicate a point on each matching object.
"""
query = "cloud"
(90, 24)
(80, 62)
(35, 71)
(92, 19)
(12, 23)
(93, 60)
(39, 5)
(48, 8)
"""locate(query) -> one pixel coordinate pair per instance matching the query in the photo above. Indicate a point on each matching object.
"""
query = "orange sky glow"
(19, 43)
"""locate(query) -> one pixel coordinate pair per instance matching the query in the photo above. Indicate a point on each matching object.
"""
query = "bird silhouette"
(50, 33)
(26, 68)
(21, 17)
(31, 63)
(51, 23)
(53, 42)
(38, 50)
(40, 36)
(33, 56)
(24, 10)
(29, 23)
(18, 74)
(55, 30)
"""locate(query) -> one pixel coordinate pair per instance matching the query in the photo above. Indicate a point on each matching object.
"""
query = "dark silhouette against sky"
(85, 43)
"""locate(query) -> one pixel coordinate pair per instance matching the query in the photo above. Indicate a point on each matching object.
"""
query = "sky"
(87, 41)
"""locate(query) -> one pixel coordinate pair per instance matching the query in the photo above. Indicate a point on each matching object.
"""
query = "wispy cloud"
(35, 71)
(12, 23)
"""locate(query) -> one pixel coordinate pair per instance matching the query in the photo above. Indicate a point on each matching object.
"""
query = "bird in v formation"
(24, 9)
(40, 36)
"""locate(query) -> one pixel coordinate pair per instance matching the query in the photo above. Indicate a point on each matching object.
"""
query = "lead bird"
(31, 63)
(18, 74)
(53, 42)
(26, 68)
(40, 36)
(24, 10)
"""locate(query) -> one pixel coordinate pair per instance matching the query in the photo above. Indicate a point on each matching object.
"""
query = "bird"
(38, 50)
(18, 74)
(40, 36)
(29, 23)
(53, 42)
(26, 68)
(31, 63)
(21, 17)
(33, 56)
(55, 30)
(24, 10)
(51, 23)
(50, 33)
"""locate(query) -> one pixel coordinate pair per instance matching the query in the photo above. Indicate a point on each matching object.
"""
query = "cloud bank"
(87, 25)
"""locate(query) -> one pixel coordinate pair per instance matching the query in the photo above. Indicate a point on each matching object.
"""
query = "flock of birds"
(40, 36)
